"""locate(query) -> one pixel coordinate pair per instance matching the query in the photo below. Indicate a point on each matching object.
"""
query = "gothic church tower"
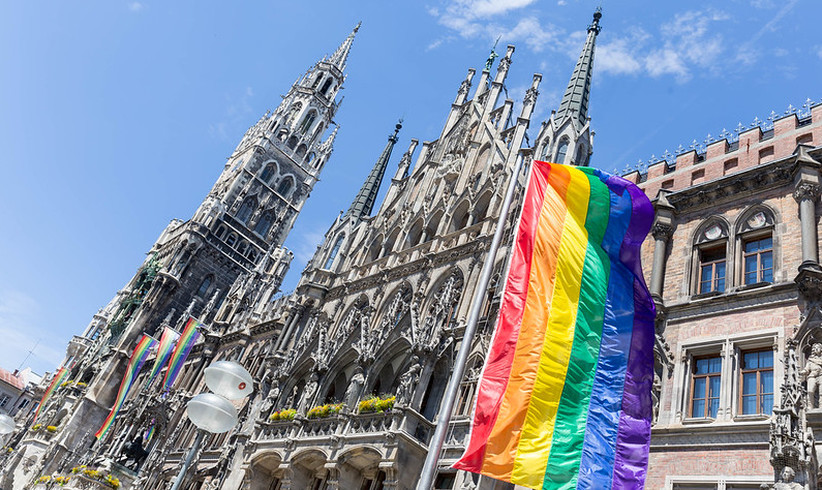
(566, 137)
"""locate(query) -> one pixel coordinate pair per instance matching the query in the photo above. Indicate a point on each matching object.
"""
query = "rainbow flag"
(163, 352)
(138, 358)
(56, 381)
(178, 358)
(564, 400)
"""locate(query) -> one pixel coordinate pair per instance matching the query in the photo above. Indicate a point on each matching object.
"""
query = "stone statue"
(786, 479)
(354, 387)
(408, 381)
(269, 401)
(292, 398)
(813, 373)
(656, 391)
(308, 393)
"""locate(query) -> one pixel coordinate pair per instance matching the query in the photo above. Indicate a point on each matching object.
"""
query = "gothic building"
(195, 268)
(351, 367)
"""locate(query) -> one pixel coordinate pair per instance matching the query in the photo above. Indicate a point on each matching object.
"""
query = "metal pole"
(190, 456)
(429, 468)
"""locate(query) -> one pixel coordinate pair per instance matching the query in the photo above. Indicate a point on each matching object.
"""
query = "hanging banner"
(178, 358)
(164, 350)
(56, 381)
(138, 358)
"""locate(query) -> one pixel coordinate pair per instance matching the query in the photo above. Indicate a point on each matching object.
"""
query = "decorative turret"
(566, 137)
(575, 101)
(364, 202)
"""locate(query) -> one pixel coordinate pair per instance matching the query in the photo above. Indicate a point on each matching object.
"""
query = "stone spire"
(340, 56)
(364, 202)
(575, 101)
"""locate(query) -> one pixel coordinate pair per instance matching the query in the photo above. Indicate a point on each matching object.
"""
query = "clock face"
(713, 232)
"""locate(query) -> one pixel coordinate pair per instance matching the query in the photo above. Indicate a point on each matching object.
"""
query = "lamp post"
(214, 412)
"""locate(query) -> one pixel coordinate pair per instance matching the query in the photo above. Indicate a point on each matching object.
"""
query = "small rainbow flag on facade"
(564, 400)
(56, 381)
(138, 358)
(178, 358)
(163, 352)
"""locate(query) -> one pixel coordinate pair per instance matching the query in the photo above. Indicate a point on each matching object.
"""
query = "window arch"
(204, 286)
(308, 121)
(415, 233)
(231, 240)
(292, 142)
(461, 216)
(248, 207)
(326, 86)
(264, 224)
(433, 226)
(546, 150)
(269, 172)
(481, 207)
(301, 151)
(755, 241)
(376, 248)
(220, 231)
(710, 253)
(562, 150)
(333, 254)
(317, 80)
(241, 248)
(389, 244)
(284, 187)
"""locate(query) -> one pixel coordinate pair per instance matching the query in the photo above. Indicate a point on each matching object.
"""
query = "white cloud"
(617, 57)
(469, 18)
(818, 50)
(309, 241)
(562, 2)
(747, 53)
(665, 62)
(136, 6)
(434, 45)
(20, 332)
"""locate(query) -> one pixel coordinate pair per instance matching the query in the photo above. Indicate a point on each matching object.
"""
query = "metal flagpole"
(429, 468)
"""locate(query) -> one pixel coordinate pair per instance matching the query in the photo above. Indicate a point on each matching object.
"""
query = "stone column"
(806, 194)
(282, 343)
(662, 230)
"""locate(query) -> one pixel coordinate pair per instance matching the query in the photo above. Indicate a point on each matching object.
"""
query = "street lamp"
(213, 412)
(7, 424)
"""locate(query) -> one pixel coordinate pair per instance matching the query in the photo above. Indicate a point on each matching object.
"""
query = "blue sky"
(117, 116)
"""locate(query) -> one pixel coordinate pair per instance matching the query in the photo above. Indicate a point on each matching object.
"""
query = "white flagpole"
(429, 468)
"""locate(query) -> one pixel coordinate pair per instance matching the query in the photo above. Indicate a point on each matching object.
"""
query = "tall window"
(307, 122)
(284, 187)
(244, 213)
(758, 260)
(757, 382)
(268, 173)
(334, 250)
(712, 269)
(264, 224)
(203, 289)
(705, 384)
(562, 150)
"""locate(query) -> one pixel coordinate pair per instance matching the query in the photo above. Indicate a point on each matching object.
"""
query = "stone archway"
(265, 472)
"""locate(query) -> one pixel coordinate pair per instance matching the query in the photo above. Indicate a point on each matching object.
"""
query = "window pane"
(699, 388)
(750, 360)
(766, 382)
(720, 276)
(749, 405)
(715, 384)
(749, 383)
(767, 404)
(699, 409)
(715, 365)
(766, 359)
(714, 408)
(707, 275)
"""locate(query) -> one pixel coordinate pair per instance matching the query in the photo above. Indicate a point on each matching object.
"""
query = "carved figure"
(354, 387)
(308, 392)
(813, 372)
(133, 452)
(408, 381)
(786, 479)
(656, 391)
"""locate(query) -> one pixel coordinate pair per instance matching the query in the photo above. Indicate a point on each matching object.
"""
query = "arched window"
(203, 289)
(269, 172)
(284, 187)
(301, 151)
(326, 86)
(252, 255)
(756, 241)
(264, 225)
(334, 250)
(308, 121)
(220, 231)
(562, 150)
(242, 246)
(248, 207)
(317, 80)
(711, 250)
(292, 142)
(460, 218)
(231, 240)
(546, 150)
